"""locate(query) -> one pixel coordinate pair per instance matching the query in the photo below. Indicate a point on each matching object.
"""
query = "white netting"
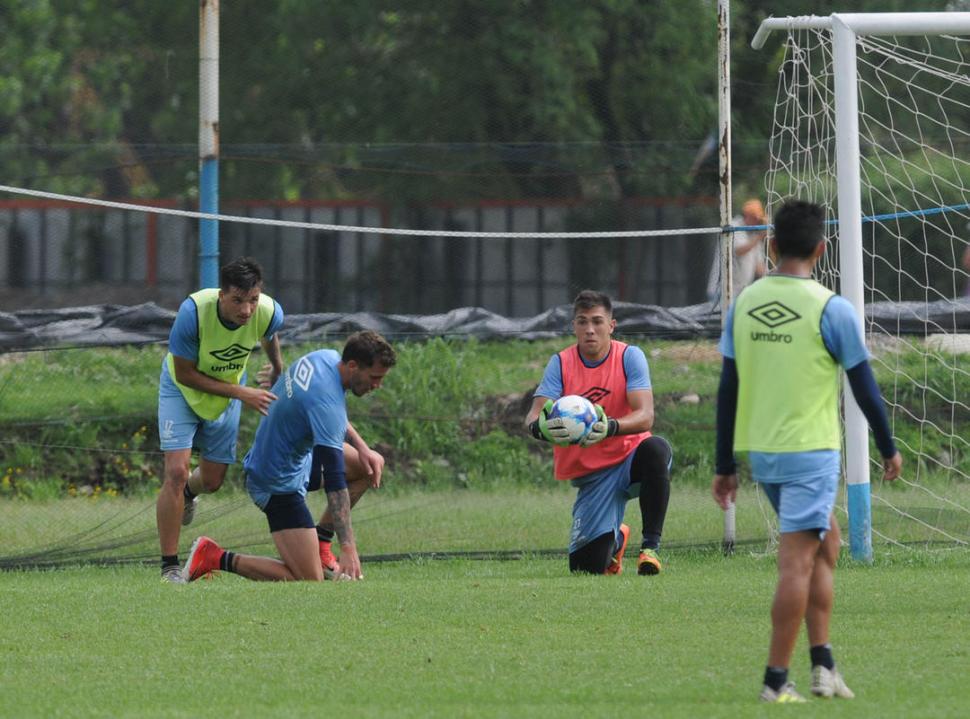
(914, 111)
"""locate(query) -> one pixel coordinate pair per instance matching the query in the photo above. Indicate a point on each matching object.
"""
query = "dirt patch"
(698, 351)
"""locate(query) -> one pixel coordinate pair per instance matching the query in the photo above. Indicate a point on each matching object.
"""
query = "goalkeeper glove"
(602, 428)
(550, 430)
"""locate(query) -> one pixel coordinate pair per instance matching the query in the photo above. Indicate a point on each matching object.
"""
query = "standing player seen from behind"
(299, 447)
(618, 459)
(201, 390)
(784, 340)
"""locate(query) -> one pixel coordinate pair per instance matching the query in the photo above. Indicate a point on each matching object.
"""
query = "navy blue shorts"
(288, 511)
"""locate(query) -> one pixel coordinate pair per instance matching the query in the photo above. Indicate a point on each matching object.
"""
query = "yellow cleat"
(648, 563)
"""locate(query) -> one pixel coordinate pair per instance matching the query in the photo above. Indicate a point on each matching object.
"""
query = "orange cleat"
(616, 561)
(648, 562)
(327, 559)
(203, 559)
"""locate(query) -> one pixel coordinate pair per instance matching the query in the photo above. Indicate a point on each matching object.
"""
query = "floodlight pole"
(726, 239)
(209, 141)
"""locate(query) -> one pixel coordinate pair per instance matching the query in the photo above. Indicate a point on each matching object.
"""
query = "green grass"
(510, 519)
(476, 639)
(446, 637)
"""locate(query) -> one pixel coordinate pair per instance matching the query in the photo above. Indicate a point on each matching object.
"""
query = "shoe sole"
(617, 559)
(188, 516)
(648, 570)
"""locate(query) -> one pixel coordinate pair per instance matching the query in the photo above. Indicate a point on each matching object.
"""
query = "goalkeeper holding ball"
(619, 459)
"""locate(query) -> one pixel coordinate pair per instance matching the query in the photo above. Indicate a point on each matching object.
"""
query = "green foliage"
(450, 414)
(100, 98)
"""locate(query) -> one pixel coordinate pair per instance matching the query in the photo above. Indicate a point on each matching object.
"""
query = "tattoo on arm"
(339, 504)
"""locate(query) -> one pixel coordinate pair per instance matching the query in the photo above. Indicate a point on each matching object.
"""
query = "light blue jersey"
(634, 364)
(802, 486)
(843, 339)
(178, 426)
(311, 409)
(183, 339)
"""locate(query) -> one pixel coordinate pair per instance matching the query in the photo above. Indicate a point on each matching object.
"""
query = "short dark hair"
(799, 227)
(366, 347)
(243, 273)
(588, 299)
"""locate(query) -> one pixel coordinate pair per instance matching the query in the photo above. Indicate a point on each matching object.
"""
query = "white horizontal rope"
(352, 228)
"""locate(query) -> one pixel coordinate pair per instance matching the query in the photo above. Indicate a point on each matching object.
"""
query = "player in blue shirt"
(202, 387)
(785, 339)
(299, 447)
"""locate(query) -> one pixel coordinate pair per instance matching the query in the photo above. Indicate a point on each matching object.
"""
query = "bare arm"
(186, 373)
(640, 418)
(271, 371)
(371, 461)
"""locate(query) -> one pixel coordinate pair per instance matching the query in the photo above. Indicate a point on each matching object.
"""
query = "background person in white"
(200, 406)
(749, 254)
(298, 447)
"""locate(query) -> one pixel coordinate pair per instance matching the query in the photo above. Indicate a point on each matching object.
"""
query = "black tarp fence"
(113, 325)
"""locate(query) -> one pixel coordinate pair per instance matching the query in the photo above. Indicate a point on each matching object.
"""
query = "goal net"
(913, 94)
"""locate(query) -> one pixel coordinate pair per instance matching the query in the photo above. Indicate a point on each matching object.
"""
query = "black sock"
(225, 561)
(170, 560)
(187, 493)
(651, 540)
(324, 535)
(776, 677)
(822, 656)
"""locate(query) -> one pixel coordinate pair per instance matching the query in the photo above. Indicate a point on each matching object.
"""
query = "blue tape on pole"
(209, 229)
(860, 521)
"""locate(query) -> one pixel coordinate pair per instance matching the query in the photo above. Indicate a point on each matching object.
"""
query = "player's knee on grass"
(594, 557)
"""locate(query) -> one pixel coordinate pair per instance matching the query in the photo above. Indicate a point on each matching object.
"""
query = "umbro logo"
(231, 353)
(303, 373)
(774, 314)
(596, 394)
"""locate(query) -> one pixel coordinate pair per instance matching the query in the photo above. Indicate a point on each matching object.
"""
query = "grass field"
(461, 638)
(423, 635)
(414, 522)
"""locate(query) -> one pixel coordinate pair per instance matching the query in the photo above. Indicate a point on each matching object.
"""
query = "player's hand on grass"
(348, 565)
(602, 428)
(258, 399)
(266, 377)
(891, 467)
(725, 489)
(552, 430)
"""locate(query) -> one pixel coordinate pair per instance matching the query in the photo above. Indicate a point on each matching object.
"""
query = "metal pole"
(209, 141)
(850, 259)
(726, 239)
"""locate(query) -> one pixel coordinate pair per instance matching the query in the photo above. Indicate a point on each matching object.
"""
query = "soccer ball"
(577, 413)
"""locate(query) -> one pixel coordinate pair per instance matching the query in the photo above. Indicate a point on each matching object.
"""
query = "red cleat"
(203, 559)
(327, 559)
(616, 561)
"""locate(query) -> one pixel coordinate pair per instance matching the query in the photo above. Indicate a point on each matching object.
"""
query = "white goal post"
(845, 31)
